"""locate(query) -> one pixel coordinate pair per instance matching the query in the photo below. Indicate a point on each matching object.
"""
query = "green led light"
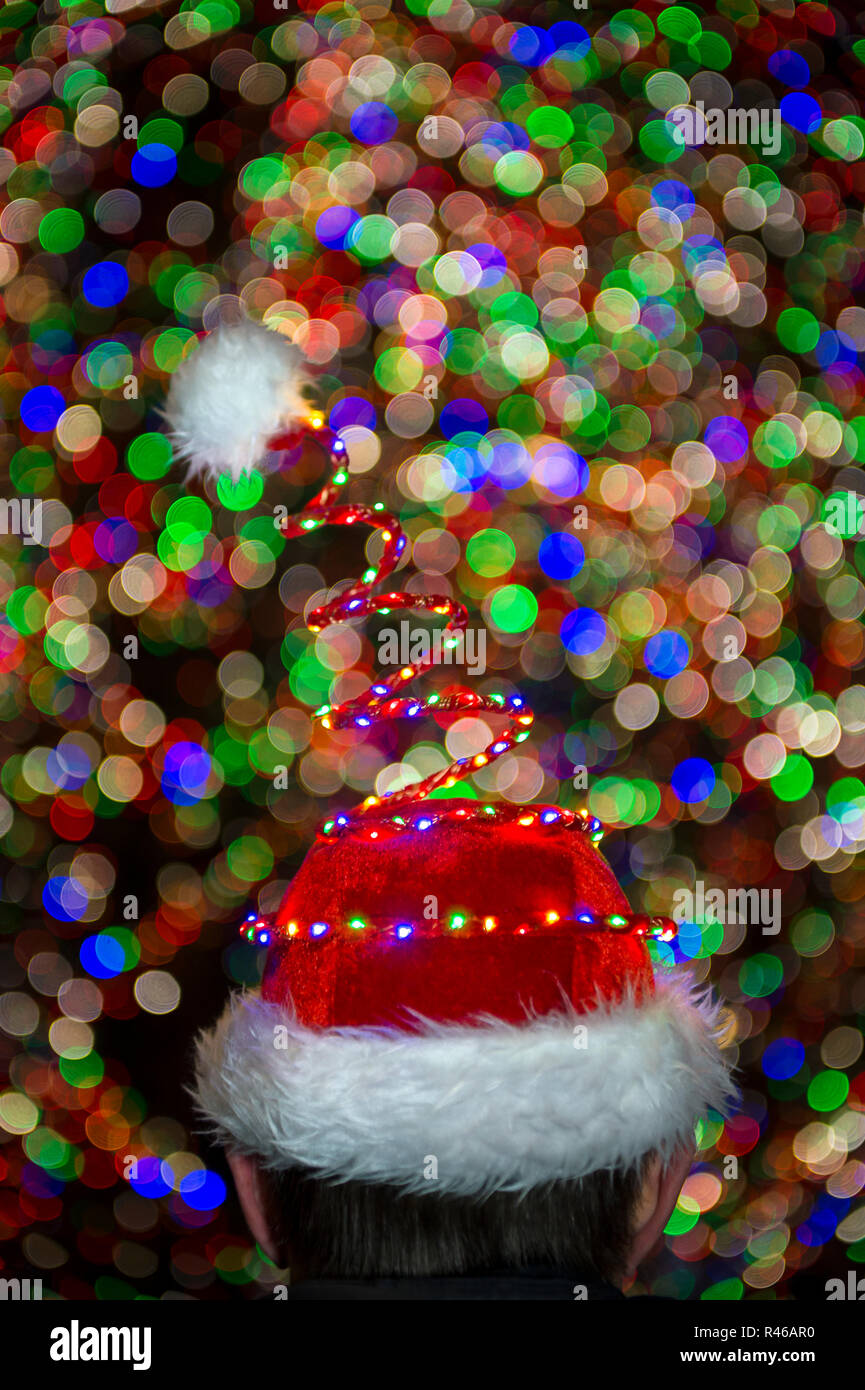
(241, 495)
(26, 609)
(188, 517)
(149, 456)
(513, 608)
(371, 238)
(812, 933)
(82, 1072)
(795, 779)
(760, 976)
(681, 1221)
(168, 348)
(250, 858)
(798, 330)
(828, 1091)
(661, 141)
(263, 177)
(550, 127)
(512, 307)
(726, 1291)
(61, 230)
(161, 131)
(679, 24)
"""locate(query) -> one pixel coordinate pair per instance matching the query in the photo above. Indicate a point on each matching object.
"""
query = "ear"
(661, 1187)
(247, 1180)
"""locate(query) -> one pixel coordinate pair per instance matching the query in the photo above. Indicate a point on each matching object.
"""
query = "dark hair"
(355, 1230)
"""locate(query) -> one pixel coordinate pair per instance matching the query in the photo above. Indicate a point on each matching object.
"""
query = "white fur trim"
(238, 389)
(502, 1107)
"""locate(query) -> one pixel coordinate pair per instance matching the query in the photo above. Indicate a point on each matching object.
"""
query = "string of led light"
(260, 930)
(386, 699)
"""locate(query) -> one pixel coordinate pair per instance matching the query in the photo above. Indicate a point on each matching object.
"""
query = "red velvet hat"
(452, 910)
(463, 982)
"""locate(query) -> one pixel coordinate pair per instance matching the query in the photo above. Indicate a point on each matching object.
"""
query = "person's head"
(602, 1225)
(498, 1080)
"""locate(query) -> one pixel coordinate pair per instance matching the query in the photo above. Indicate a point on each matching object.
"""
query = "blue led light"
(65, 898)
(583, 631)
(102, 956)
(333, 227)
(727, 437)
(352, 410)
(666, 653)
(373, 123)
(203, 1191)
(693, 780)
(673, 195)
(185, 773)
(783, 1058)
(491, 260)
(154, 166)
(68, 767)
(463, 416)
(789, 67)
(801, 112)
(115, 540)
(41, 408)
(146, 1178)
(105, 284)
(561, 556)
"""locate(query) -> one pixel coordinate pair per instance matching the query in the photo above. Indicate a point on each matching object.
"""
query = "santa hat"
(464, 983)
(450, 987)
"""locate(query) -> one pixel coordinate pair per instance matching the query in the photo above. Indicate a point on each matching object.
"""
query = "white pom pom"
(238, 389)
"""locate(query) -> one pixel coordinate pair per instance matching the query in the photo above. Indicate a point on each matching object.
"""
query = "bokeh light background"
(520, 293)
